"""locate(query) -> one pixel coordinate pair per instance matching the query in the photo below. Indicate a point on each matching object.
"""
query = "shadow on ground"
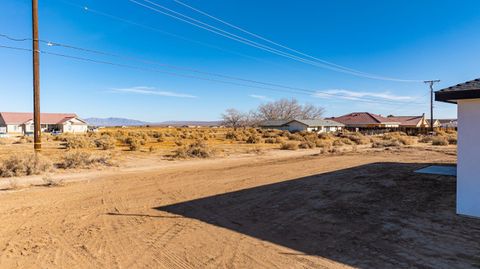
(380, 215)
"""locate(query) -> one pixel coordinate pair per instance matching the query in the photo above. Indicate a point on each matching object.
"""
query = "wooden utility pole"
(37, 132)
(431, 82)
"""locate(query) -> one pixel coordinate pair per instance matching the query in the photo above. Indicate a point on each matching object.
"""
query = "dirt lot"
(289, 210)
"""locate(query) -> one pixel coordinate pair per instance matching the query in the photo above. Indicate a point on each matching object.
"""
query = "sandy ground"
(292, 210)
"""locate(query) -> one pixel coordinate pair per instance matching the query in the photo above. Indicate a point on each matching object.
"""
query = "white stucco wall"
(14, 129)
(468, 170)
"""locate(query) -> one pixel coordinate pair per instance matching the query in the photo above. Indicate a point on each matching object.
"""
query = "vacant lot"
(292, 210)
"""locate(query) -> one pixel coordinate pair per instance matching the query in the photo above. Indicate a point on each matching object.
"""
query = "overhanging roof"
(466, 90)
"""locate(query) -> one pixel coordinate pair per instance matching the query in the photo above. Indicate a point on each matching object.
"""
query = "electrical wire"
(277, 44)
(213, 29)
(295, 89)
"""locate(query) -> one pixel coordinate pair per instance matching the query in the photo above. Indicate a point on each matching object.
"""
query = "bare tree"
(310, 112)
(233, 118)
(286, 109)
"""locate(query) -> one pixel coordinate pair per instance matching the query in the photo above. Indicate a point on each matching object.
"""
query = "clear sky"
(414, 40)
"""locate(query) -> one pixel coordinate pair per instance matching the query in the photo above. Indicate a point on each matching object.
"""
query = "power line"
(183, 75)
(213, 29)
(295, 89)
(148, 27)
(280, 45)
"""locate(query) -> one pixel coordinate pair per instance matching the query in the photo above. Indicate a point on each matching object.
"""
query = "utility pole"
(37, 133)
(431, 82)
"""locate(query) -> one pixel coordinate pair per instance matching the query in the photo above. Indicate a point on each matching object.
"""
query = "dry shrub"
(179, 143)
(105, 142)
(296, 137)
(236, 136)
(270, 140)
(280, 139)
(426, 139)
(357, 138)
(385, 143)
(307, 145)
(198, 149)
(84, 160)
(325, 145)
(406, 140)
(289, 145)
(32, 164)
(77, 142)
(133, 143)
(452, 140)
(24, 140)
(253, 139)
(271, 133)
(440, 141)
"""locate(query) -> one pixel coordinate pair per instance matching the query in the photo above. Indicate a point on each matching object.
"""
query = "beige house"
(22, 123)
(411, 121)
(318, 126)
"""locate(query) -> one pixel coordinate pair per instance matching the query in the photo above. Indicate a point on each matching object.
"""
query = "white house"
(22, 123)
(467, 98)
(319, 126)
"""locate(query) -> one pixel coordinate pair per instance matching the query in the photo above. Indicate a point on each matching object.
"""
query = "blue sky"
(415, 40)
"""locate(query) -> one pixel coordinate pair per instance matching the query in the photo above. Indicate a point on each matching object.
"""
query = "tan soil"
(366, 210)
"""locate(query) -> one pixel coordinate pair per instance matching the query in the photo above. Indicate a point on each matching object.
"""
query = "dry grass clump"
(77, 142)
(385, 143)
(440, 141)
(24, 140)
(452, 139)
(395, 139)
(357, 138)
(25, 165)
(105, 142)
(134, 143)
(296, 137)
(441, 138)
(270, 140)
(289, 145)
(198, 149)
(307, 145)
(425, 139)
(79, 159)
(235, 135)
(254, 139)
(325, 145)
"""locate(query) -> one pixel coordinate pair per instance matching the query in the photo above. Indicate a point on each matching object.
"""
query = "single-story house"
(436, 123)
(319, 125)
(411, 121)
(467, 97)
(366, 120)
(22, 123)
(448, 123)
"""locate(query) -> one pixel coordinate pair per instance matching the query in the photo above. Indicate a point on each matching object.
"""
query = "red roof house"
(22, 122)
(366, 120)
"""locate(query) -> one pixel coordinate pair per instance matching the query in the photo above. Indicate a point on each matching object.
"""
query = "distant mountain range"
(109, 122)
(114, 122)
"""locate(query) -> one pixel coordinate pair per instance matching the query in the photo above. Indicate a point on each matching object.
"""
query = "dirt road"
(363, 210)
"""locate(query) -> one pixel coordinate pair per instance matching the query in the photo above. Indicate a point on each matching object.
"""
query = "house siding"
(468, 170)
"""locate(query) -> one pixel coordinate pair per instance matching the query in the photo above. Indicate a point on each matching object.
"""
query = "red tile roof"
(45, 118)
(362, 118)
